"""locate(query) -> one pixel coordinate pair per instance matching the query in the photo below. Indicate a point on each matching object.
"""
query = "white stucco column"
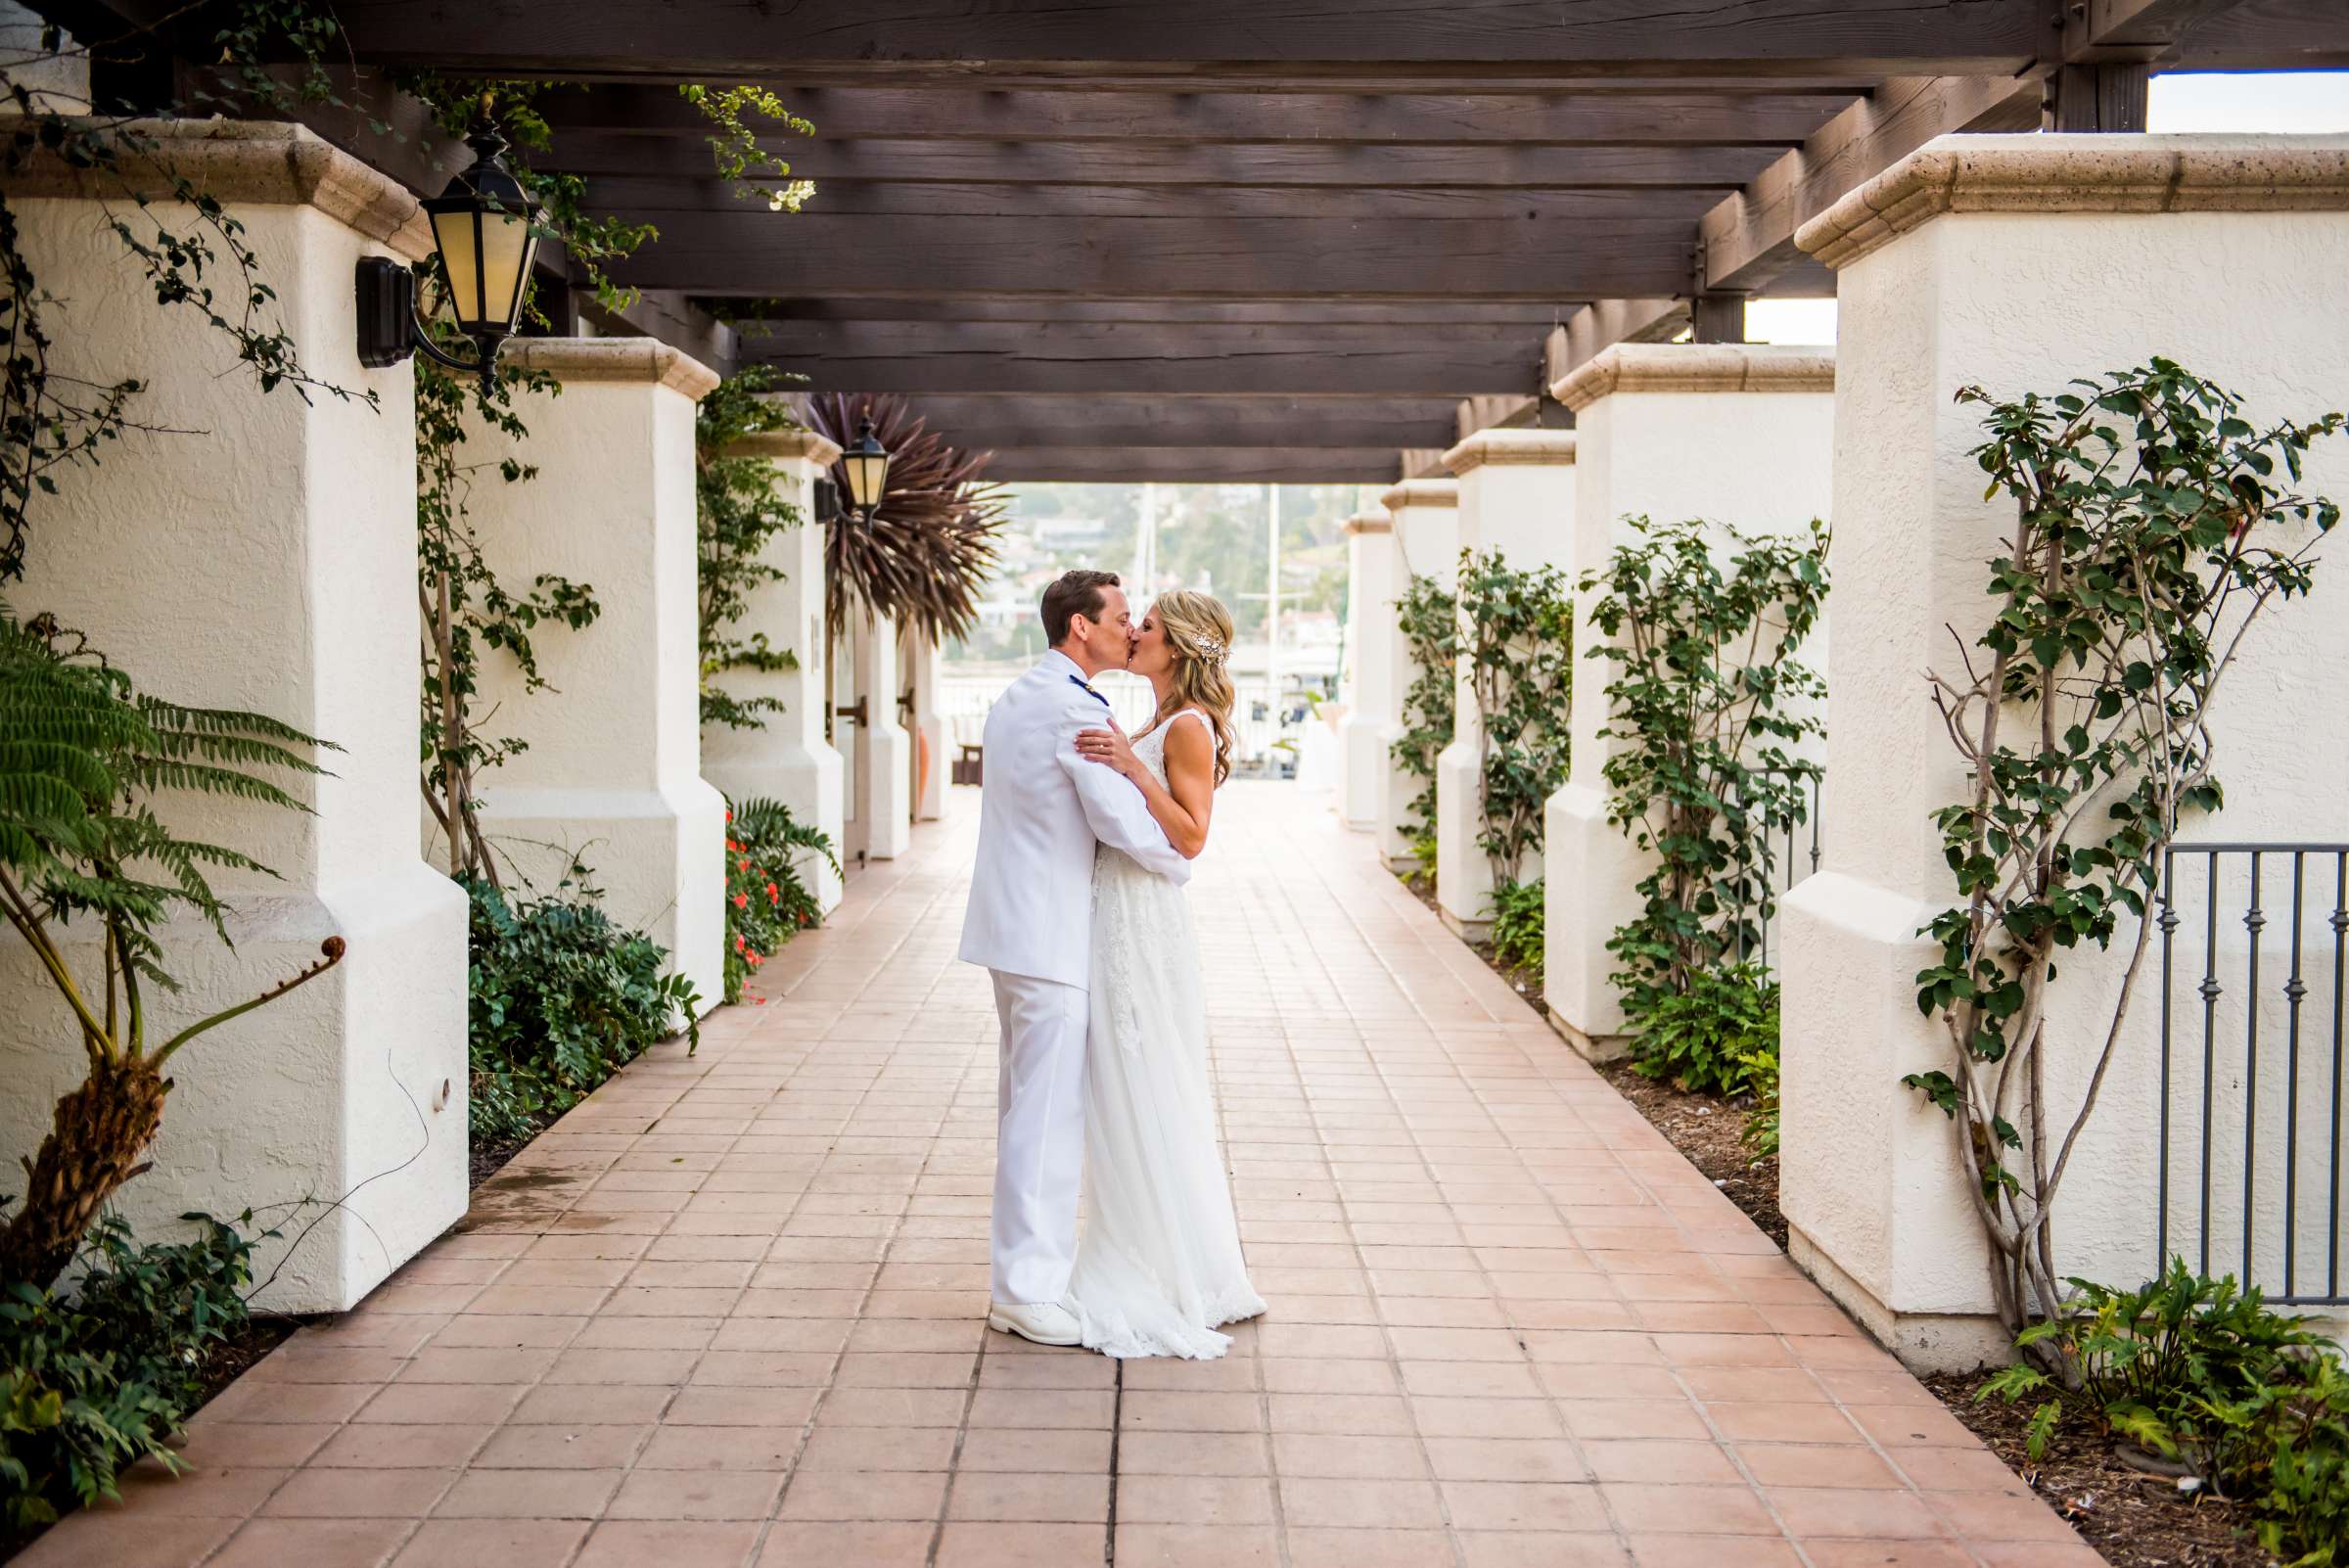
(881, 783)
(1425, 540)
(1740, 434)
(788, 760)
(2015, 263)
(922, 660)
(1369, 727)
(257, 551)
(1516, 497)
(612, 772)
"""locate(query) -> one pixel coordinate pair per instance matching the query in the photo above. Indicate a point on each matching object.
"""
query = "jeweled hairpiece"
(1210, 650)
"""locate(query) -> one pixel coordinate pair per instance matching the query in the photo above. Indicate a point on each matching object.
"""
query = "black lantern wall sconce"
(484, 230)
(866, 462)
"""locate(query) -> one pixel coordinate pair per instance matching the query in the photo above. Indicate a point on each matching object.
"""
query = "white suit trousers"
(1040, 1136)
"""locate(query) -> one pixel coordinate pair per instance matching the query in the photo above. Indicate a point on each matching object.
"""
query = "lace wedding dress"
(1158, 1263)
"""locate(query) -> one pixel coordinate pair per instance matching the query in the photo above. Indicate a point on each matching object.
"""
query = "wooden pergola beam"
(1199, 465)
(661, 199)
(755, 255)
(1094, 357)
(1432, 164)
(697, 38)
(760, 315)
(1747, 239)
(1080, 112)
(1035, 420)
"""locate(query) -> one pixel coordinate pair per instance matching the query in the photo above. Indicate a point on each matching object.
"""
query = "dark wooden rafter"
(1874, 39)
(1434, 164)
(1239, 258)
(922, 357)
(1082, 112)
(683, 203)
(1034, 421)
(1256, 465)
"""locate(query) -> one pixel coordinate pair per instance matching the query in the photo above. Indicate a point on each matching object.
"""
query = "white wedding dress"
(1158, 1263)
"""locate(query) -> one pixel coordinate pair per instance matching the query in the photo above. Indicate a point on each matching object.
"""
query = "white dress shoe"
(1043, 1321)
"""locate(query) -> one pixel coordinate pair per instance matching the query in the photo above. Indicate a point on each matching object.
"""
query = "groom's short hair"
(1076, 593)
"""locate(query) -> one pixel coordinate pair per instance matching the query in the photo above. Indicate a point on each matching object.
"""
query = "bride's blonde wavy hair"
(1199, 635)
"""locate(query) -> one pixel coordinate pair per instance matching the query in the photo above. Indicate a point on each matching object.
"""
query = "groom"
(1043, 810)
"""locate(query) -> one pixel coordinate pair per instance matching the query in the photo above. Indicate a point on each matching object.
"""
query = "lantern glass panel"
(460, 245)
(506, 248)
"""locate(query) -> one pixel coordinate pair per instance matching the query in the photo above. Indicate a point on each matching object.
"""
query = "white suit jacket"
(1041, 811)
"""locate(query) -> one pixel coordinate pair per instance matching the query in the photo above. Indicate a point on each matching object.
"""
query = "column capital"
(1547, 449)
(2082, 173)
(1697, 367)
(1421, 492)
(264, 163)
(1370, 522)
(780, 445)
(638, 359)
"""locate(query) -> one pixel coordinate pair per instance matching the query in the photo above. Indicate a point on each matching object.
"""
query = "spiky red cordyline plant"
(930, 544)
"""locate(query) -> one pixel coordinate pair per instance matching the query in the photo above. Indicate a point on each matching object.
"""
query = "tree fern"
(84, 756)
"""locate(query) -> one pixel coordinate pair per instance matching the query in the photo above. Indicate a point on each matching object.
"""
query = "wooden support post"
(1717, 318)
(2108, 96)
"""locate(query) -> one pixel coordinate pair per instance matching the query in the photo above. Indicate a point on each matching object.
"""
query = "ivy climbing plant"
(739, 513)
(467, 609)
(1429, 618)
(1707, 703)
(1517, 637)
(2153, 527)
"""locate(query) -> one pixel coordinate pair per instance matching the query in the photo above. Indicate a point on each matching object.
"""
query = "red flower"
(731, 844)
(738, 943)
(743, 865)
(742, 901)
(756, 960)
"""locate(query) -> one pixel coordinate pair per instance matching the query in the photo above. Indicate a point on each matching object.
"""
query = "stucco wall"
(2019, 300)
(1426, 542)
(262, 554)
(613, 771)
(1517, 498)
(1734, 433)
(789, 760)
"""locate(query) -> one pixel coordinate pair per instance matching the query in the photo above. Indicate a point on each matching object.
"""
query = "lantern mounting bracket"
(390, 328)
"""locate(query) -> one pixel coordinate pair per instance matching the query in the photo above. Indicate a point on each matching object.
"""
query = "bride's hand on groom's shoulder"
(1109, 748)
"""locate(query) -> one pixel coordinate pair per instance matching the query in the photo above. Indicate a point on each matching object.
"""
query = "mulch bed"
(2133, 1519)
(2136, 1520)
(490, 1157)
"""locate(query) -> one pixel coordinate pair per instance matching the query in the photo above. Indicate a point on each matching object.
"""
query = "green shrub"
(2190, 1369)
(101, 1373)
(1699, 1037)
(1758, 1075)
(1518, 916)
(560, 998)
(1428, 616)
(767, 901)
(1421, 872)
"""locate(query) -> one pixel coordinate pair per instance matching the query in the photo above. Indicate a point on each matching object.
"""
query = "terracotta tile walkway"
(728, 1311)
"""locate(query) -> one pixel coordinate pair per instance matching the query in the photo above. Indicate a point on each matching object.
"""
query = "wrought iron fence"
(2266, 1072)
(1789, 854)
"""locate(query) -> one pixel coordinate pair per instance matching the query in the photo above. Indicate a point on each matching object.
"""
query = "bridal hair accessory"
(1210, 650)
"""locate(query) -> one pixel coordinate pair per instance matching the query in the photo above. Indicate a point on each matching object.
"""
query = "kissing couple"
(1086, 840)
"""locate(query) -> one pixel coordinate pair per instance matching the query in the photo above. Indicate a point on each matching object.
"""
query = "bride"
(1157, 1266)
